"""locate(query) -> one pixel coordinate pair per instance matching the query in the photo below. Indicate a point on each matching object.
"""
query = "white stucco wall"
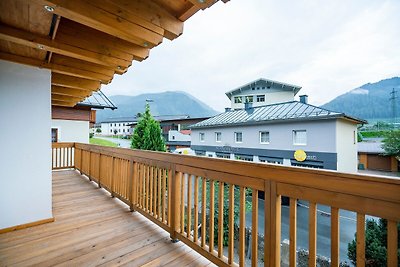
(320, 136)
(25, 159)
(346, 142)
(72, 131)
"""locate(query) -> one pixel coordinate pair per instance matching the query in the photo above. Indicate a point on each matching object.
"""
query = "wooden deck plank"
(92, 229)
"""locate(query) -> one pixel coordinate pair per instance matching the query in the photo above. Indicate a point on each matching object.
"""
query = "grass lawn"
(101, 142)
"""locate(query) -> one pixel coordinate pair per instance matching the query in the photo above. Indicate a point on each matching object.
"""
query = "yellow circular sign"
(300, 155)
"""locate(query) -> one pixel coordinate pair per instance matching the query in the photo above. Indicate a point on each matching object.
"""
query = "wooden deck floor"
(93, 229)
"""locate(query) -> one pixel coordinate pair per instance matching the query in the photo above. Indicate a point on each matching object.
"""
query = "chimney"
(248, 106)
(304, 99)
(227, 109)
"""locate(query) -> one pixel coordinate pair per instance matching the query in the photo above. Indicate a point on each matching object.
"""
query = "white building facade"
(291, 133)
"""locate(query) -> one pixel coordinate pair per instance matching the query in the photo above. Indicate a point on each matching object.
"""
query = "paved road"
(125, 143)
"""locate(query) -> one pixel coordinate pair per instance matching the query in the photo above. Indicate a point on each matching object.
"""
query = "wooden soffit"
(85, 42)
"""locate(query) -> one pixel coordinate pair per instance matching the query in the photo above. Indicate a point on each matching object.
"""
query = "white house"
(292, 133)
(118, 126)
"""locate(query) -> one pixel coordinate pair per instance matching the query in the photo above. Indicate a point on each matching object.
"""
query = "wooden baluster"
(160, 177)
(56, 165)
(254, 228)
(163, 194)
(196, 209)
(293, 232)
(135, 180)
(63, 157)
(335, 240)
(174, 191)
(90, 158)
(392, 248)
(211, 226)
(312, 234)
(360, 240)
(272, 249)
(220, 219)
(182, 208)
(52, 158)
(112, 178)
(99, 171)
(141, 186)
(231, 241)
(80, 161)
(130, 185)
(242, 226)
(189, 205)
(147, 187)
(155, 192)
(171, 176)
(203, 212)
(67, 165)
(151, 189)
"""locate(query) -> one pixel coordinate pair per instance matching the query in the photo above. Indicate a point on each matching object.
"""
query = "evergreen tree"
(147, 133)
(375, 244)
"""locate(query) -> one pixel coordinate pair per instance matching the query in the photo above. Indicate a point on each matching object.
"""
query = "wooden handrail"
(170, 190)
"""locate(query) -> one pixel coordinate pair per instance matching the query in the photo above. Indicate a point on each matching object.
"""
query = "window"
(110, 130)
(264, 137)
(54, 135)
(123, 130)
(218, 137)
(238, 99)
(110, 124)
(119, 124)
(115, 124)
(249, 99)
(244, 157)
(223, 155)
(299, 137)
(238, 137)
(201, 137)
(119, 130)
(200, 153)
(261, 98)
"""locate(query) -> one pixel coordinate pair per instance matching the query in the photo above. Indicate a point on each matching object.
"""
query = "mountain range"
(369, 101)
(166, 103)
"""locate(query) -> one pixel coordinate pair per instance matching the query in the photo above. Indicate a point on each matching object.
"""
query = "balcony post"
(176, 203)
(272, 225)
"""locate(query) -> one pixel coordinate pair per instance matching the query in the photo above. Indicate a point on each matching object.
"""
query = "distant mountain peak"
(369, 101)
(170, 103)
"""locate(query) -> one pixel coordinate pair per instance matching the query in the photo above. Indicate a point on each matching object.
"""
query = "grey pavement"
(125, 143)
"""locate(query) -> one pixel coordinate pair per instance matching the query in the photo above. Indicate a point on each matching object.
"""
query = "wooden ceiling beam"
(87, 14)
(65, 91)
(104, 41)
(74, 82)
(56, 68)
(63, 103)
(83, 65)
(146, 14)
(90, 43)
(14, 35)
(64, 98)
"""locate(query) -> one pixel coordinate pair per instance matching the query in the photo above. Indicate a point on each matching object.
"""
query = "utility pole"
(393, 99)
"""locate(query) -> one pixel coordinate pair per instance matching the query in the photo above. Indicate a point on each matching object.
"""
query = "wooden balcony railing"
(185, 196)
(62, 156)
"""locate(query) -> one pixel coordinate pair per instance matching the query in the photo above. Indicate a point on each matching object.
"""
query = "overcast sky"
(327, 47)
